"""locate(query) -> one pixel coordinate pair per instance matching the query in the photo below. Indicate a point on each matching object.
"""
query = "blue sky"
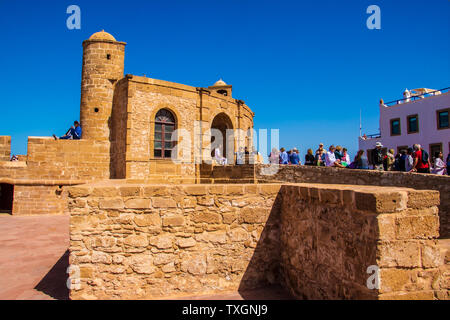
(304, 67)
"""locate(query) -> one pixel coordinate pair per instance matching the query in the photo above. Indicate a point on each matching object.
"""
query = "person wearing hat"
(294, 157)
(320, 148)
(377, 157)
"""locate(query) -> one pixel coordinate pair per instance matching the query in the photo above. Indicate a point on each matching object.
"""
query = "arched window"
(164, 126)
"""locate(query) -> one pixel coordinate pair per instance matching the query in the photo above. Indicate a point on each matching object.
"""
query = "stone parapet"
(140, 241)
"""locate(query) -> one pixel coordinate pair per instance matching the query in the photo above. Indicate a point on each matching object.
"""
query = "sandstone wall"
(153, 241)
(50, 159)
(5, 148)
(189, 106)
(149, 241)
(39, 199)
(301, 174)
(330, 235)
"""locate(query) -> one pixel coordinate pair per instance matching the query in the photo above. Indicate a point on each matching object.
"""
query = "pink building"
(422, 118)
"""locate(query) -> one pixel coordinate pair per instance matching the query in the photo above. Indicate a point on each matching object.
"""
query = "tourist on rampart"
(409, 162)
(377, 157)
(345, 160)
(218, 156)
(284, 158)
(73, 133)
(338, 153)
(401, 161)
(439, 164)
(320, 148)
(448, 164)
(330, 158)
(294, 157)
(320, 158)
(240, 156)
(309, 158)
(389, 160)
(361, 161)
(274, 156)
(421, 160)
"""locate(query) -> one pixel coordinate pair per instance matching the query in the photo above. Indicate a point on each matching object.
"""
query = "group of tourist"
(414, 159)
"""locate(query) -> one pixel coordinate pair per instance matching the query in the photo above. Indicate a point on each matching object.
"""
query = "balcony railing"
(413, 98)
(371, 136)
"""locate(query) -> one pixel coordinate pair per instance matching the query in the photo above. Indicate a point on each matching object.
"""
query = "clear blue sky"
(305, 67)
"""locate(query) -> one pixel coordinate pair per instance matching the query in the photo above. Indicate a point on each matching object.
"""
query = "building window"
(413, 123)
(395, 127)
(435, 147)
(442, 119)
(164, 126)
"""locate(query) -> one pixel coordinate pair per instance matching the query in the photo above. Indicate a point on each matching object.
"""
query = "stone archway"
(223, 122)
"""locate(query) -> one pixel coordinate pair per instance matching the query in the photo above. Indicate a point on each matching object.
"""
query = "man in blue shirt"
(294, 157)
(73, 133)
(284, 158)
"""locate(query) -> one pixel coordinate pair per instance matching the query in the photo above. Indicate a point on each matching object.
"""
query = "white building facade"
(422, 119)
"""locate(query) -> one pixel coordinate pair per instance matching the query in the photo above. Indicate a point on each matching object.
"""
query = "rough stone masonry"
(152, 241)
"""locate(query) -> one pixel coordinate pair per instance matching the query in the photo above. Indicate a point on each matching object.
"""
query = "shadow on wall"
(54, 283)
(314, 249)
(263, 270)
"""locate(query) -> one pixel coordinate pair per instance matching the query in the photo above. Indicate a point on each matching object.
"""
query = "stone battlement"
(138, 241)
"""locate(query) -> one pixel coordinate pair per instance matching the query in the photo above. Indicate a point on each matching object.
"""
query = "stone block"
(115, 203)
(404, 254)
(158, 202)
(418, 199)
(138, 203)
(148, 219)
(417, 227)
(173, 221)
(136, 241)
(380, 202)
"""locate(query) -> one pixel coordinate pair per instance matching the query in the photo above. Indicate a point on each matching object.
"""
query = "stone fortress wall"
(313, 174)
(134, 241)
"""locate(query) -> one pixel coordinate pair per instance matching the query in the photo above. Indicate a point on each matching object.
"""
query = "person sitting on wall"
(338, 153)
(319, 159)
(345, 160)
(330, 158)
(73, 133)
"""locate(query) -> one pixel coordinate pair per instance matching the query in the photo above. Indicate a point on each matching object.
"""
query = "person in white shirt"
(439, 164)
(218, 156)
(330, 158)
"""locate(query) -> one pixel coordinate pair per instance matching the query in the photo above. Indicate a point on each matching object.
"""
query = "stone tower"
(103, 66)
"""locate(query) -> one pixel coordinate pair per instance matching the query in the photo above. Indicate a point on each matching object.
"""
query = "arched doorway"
(6, 197)
(223, 122)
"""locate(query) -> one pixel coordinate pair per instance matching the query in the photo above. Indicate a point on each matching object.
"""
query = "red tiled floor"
(33, 257)
(34, 260)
